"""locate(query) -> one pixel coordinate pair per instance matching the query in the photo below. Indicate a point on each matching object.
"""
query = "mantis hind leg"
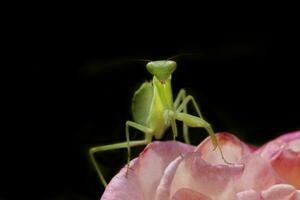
(184, 103)
(128, 144)
(182, 107)
(180, 97)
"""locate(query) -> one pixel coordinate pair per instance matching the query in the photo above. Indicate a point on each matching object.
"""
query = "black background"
(78, 82)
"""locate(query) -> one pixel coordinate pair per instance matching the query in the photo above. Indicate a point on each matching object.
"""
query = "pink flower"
(175, 171)
(284, 155)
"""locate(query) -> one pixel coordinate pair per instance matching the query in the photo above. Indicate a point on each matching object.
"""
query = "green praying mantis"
(154, 111)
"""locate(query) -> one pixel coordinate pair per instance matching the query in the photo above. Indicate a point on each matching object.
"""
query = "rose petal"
(257, 175)
(124, 188)
(294, 145)
(287, 141)
(215, 181)
(153, 161)
(232, 148)
(280, 192)
(290, 136)
(145, 172)
(284, 155)
(248, 195)
(171, 170)
(296, 195)
(163, 189)
(287, 165)
(270, 149)
(187, 194)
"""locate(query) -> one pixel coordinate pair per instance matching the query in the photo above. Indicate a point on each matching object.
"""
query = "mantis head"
(161, 69)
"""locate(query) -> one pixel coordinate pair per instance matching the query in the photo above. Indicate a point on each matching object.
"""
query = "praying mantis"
(154, 111)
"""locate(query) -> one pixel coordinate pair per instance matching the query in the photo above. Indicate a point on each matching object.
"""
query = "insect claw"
(127, 169)
(181, 155)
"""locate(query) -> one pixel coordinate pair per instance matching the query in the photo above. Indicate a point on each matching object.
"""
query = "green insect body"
(154, 111)
(148, 108)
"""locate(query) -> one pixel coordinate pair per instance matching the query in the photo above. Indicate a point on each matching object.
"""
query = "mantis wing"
(141, 103)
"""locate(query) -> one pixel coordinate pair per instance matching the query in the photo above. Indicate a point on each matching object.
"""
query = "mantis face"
(161, 69)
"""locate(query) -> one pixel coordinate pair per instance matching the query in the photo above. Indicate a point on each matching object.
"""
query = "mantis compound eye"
(161, 69)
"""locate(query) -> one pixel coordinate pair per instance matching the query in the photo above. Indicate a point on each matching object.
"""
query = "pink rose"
(175, 171)
(284, 155)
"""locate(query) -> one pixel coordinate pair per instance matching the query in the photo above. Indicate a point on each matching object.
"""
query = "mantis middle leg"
(193, 121)
(128, 144)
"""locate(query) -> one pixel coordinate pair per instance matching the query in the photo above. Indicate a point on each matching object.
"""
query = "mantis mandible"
(154, 111)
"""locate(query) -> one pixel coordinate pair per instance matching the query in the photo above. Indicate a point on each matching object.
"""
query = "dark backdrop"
(78, 91)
